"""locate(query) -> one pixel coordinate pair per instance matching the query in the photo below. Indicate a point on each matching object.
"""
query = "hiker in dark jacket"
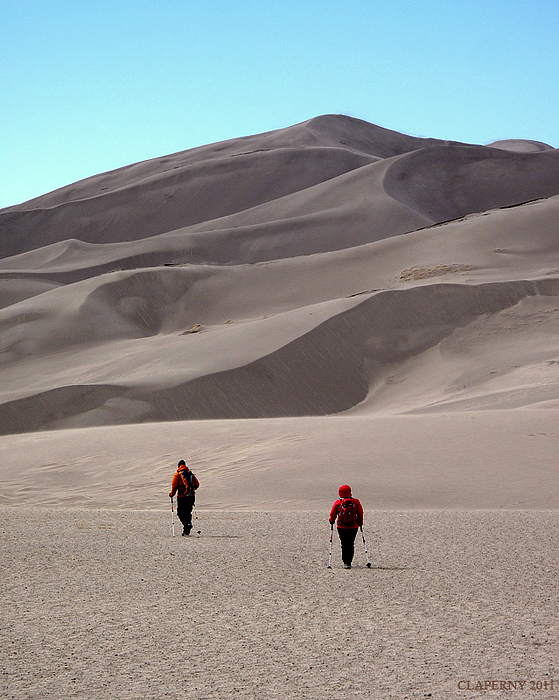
(349, 512)
(184, 484)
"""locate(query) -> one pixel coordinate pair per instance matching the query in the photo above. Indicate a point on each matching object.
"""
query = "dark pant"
(184, 511)
(347, 540)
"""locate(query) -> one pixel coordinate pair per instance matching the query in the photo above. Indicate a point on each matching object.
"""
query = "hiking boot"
(347, 566)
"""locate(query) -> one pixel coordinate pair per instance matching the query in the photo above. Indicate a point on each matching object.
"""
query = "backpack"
(347, 513)
(186, 482)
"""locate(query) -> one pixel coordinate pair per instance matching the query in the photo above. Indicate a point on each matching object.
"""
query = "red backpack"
(347, 513)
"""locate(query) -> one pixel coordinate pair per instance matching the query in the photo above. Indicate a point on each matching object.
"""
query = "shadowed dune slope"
(323, 369)
(332, 266)
(449, 182)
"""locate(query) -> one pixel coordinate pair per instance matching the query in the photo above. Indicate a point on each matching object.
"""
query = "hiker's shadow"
(221, 537)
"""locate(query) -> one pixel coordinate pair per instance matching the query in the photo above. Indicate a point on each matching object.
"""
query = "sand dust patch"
(415, 273)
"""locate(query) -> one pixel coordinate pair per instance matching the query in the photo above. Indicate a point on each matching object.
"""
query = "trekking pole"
(330, 554)
(198, 531)
(172, 517)
(365, 545)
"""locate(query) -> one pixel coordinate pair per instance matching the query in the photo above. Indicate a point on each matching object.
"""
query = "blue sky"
(89, 85)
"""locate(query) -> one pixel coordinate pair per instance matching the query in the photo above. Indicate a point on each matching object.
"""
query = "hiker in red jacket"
(349, 512)
(184, 484)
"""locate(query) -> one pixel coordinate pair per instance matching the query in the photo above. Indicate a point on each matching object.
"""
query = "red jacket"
(335, 512)
(178, 485)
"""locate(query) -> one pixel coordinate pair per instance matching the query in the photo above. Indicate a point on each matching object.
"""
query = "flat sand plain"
(107, 604)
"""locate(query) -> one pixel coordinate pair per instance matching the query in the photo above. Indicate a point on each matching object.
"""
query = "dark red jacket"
(335, 512)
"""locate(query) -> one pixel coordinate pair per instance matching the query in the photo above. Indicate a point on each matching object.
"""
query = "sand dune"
(452, 181)
(329, 268)
(328, 131)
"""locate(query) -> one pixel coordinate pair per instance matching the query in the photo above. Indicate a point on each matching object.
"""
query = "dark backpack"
(186, 481)
(347, 513)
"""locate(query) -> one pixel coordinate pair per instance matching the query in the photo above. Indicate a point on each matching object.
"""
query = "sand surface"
(106, 604)
(475, 459)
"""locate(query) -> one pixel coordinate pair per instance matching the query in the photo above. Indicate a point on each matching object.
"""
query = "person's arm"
(334, 512)
(195, 483)
(174, 485)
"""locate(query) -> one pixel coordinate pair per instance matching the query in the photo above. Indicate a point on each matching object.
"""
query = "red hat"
(345, 491)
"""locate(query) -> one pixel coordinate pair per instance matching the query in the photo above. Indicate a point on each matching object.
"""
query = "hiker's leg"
(347, 540)
(342, 534)
(185, 512)
(351, 544)
(182, 512)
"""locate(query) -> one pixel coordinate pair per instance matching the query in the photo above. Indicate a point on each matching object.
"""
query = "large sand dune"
(332, 268)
